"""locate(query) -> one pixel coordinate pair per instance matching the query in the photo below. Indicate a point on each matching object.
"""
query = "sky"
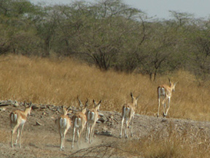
(159, 8)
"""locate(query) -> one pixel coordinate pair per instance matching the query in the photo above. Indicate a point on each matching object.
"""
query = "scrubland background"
(50, 54)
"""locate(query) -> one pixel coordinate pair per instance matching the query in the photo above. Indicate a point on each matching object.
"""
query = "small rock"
(107, 133)
(38, 123)
(2, 109)
(34, 107)
(164, 120)
(102, 119)
(15, 104)
(101, 114)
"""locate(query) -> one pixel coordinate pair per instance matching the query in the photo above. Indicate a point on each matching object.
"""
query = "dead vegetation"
(58, 82)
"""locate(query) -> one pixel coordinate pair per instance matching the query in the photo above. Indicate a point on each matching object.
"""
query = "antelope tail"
(62, 122)
(13, 117)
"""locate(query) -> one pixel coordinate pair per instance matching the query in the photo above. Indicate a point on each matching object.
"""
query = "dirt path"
(43, 140)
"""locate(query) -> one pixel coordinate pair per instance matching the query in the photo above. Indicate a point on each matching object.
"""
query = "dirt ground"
(40, 136)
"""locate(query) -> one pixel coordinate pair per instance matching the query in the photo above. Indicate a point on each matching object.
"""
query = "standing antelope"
(79, 122)
(128, 112)
(17, 122)
(92, 117)
(64, 124)
(165, 91)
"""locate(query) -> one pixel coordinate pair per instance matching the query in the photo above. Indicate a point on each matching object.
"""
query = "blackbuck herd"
(87, 117)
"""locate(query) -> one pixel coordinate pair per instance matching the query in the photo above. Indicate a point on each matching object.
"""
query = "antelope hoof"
(15, 144)
(164, 115)
(157, 115)
(126, 136)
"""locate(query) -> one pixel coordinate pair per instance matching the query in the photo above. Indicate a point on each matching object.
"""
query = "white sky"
(159, 8)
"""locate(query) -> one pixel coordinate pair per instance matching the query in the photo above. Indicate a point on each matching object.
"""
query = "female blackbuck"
(128, 112)
(17, 122)
(92, 117)
(165, 92)
(79, 121)
(64, 124)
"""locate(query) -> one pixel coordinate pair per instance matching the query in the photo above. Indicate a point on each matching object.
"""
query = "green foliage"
(108, 34)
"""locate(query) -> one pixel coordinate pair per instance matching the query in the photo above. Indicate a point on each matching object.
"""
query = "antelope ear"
(80, 103)
(69, 108)
(175, 83)
(94, 102)
(24, 103)
(138, 97)
(30, 104)
(131, 94)
(98, 105)
(86, 103)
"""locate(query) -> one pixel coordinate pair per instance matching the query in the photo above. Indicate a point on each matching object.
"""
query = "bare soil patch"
(40, 136)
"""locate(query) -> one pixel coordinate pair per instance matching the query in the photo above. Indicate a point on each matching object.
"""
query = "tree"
(108, 31)
(200, 56)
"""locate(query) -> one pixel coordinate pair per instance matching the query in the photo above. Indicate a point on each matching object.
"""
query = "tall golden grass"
(60, 81)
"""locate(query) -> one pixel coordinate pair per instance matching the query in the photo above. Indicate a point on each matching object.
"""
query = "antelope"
(128, 112)
(64, 124)
(92, 117)
(17, 122)
(165, 91)
(79, 122)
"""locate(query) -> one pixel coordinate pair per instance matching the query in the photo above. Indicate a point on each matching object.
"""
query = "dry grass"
(50, 81)
(170, 144)
(59, 82)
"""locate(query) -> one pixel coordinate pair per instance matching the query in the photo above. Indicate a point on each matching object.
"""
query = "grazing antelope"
(128, 112)
(79, 122)
(92, 117)
(165, 91)
(17, 122)
(64, 124)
